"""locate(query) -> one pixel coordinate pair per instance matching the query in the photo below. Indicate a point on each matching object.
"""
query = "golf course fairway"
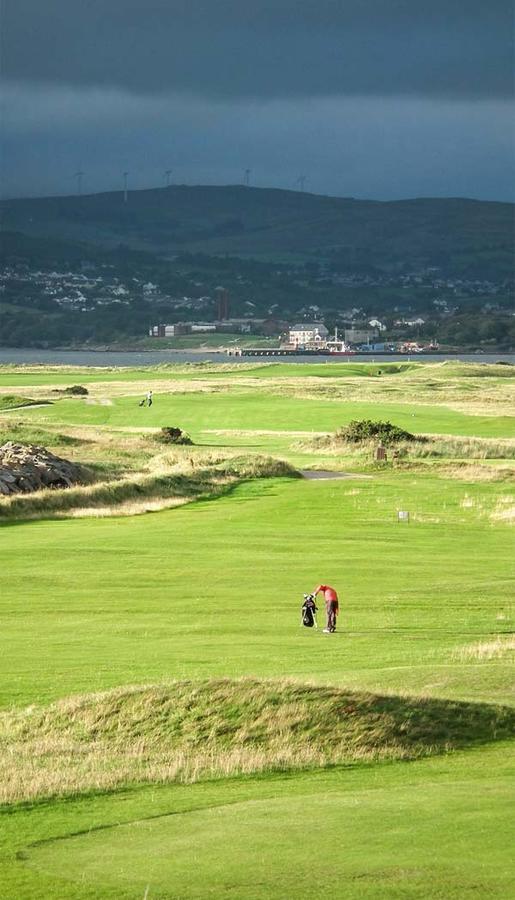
(168, 729)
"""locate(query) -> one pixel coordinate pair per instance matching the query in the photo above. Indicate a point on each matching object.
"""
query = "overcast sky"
(367, 98)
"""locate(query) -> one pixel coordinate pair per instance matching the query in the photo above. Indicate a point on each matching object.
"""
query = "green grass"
(435, 828)
(18, 376)
(31, 433)
(212, 590)
(172, 595)
(189, 730)
(14, 401)
(147, 491)
(196, 412)
(39, 375)
(457, 400)
(208, 341)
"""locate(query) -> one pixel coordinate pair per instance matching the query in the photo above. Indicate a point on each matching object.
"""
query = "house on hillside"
(307, 333)
(377, 325)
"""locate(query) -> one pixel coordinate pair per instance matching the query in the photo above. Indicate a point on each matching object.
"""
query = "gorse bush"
(173, 435)
(361, 430)
(76, 390)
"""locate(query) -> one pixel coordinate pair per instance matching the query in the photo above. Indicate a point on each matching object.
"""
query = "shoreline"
(230, 351)
(112, 359)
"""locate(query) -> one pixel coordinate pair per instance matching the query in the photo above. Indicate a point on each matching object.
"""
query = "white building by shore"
(307, 333)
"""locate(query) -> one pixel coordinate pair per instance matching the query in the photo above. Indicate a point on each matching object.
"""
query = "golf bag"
(309, 611)
(141, 403)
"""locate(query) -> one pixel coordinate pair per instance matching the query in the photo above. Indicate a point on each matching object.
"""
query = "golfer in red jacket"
(331, 605)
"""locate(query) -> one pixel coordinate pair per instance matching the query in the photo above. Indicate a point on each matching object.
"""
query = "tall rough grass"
(497, 648)
(15, 401)
(172, 477)
(432, 448)
(29, 433)
(187, 730)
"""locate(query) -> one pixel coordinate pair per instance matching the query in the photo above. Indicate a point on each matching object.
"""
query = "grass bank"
(187, 731)
(173, 479)
(14, 401)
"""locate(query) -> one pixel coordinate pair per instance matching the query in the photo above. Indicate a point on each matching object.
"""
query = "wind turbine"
(79, 176)
(125, 186)
(167, 176)
(301, 181)
(246, 177)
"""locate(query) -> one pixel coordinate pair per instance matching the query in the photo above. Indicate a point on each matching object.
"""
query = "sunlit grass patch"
(473, 472)
(126, 508)
(497, 648)
(504, 510)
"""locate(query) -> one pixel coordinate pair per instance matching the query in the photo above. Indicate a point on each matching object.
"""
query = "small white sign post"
(402, 515)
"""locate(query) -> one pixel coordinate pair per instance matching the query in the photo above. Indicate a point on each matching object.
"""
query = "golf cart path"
(326, 475)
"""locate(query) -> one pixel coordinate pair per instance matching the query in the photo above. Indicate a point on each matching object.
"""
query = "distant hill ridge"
(455, 234)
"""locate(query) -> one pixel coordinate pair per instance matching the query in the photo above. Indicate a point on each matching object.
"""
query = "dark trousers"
(332, 611)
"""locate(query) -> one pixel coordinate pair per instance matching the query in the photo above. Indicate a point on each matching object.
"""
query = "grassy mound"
(188, 730)
(166, 484)
(14, 401)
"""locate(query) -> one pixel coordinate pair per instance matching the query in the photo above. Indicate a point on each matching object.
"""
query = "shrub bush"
(173, 435)
(77, 390)
(358, 431)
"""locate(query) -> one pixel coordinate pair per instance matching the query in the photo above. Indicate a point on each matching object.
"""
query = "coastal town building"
(360, 335)
(307, 333)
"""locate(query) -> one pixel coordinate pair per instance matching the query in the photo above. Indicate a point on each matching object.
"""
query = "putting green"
(432, 829)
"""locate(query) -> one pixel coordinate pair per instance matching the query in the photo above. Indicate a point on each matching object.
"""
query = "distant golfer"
(331, 606)
(147, 399)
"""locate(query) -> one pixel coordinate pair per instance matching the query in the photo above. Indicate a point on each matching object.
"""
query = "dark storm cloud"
(265, 48)
(373, 98)
(382, 148)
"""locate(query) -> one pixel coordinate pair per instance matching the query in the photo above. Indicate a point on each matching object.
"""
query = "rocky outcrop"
(25, 468)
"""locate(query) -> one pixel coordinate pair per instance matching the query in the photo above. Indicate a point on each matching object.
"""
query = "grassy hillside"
(463, 235)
